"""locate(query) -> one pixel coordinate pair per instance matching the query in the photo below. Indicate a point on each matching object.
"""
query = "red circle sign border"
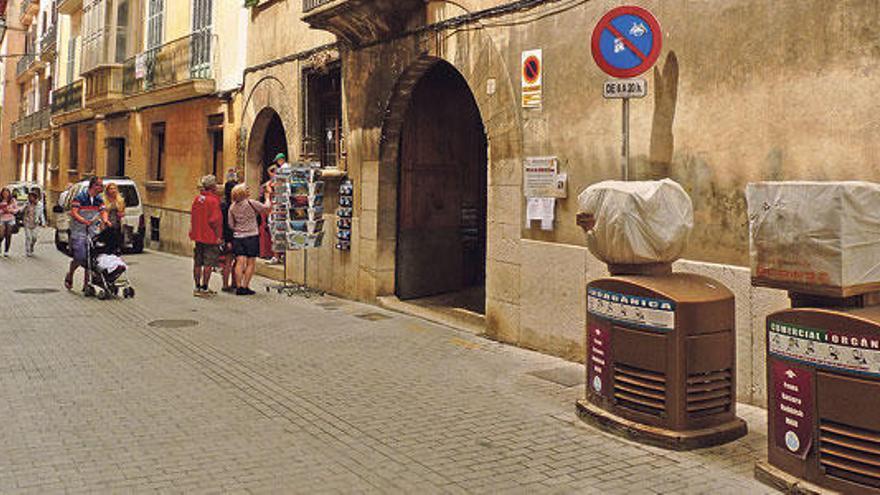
(652, 57)
(537, 74)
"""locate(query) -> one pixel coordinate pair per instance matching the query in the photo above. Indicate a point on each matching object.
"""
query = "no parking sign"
(626, 41)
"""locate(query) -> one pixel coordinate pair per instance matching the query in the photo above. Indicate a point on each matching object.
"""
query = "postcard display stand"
(343, 221)
(297, 218)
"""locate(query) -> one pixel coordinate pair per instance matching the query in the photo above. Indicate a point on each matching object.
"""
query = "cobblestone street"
(296, 395)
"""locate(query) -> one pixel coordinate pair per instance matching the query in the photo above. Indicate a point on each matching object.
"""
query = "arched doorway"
(267, 139)
(275, 142)
(441, 227)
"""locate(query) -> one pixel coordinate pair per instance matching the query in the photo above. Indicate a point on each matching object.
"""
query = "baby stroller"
(106, 270)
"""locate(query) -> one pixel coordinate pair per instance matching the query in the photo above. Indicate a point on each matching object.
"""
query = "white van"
(133, 227)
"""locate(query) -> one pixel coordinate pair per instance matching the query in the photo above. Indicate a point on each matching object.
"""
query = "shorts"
(206, 254)
(80, 250)
(247, 246)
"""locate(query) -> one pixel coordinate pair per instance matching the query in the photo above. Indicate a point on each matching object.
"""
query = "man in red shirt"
(206, 230)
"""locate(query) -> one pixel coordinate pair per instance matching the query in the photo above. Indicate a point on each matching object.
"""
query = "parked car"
(133, 223)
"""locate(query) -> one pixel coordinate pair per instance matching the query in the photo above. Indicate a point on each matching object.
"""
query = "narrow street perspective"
(293, 395)
(440, 246)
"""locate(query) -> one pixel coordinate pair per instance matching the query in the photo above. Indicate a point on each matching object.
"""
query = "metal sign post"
(624, 173)
(626, 42)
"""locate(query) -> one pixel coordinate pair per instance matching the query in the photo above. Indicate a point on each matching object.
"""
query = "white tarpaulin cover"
(815, 233)
(638, 222)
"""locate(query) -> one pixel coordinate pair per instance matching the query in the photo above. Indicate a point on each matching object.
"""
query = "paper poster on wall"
(542, 210)
(541, 178)
(532, 78)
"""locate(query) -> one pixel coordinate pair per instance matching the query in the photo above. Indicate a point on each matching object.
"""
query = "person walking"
(32, 220)
(244, 215)
(8, 209)
(86, 209)
(227, 256)
(115, 213)
(206, 230)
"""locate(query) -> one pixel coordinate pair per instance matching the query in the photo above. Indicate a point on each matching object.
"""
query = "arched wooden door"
(441, 238)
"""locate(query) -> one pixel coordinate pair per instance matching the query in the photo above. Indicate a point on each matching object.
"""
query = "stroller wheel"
(89, 291)
(103, 294)
(128, 292)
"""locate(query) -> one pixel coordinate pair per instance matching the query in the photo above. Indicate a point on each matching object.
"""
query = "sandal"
(68, 282)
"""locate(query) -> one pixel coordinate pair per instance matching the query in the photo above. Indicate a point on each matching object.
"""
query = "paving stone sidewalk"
(272, 394)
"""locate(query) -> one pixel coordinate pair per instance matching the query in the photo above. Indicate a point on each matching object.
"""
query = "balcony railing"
(47, 41)
(34, 122)
(68, 99)
(313, 4)
(103, 85)
(24, 64)
(185, 59)
(27, 10)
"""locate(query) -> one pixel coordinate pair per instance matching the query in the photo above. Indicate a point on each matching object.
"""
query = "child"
(32, 220)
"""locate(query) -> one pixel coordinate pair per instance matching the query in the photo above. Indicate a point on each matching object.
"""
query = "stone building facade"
(729, 103)
(149, 89)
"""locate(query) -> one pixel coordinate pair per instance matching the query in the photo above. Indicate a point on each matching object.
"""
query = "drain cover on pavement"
(172, 323)
(567, 376)
(37, 291)
(372, 316)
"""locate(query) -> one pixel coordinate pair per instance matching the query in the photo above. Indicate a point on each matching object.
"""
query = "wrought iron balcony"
(362, 21)
(309, 5)
(68, 99)
(47, 41)
(30, 124)
(185, 60)
(24, 63)
(69, 7)
(28, 10)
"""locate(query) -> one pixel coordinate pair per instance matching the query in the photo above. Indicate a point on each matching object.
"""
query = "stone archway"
(475, 57)
(441, 235)
(267, 111)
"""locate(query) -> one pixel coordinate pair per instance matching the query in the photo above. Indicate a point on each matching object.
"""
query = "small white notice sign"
(625, 88)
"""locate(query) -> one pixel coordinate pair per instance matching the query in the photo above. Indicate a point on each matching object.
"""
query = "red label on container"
(599, 345)
(792, 408)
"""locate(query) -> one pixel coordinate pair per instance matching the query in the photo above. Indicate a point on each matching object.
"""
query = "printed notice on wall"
(542, 210)
(540, 177)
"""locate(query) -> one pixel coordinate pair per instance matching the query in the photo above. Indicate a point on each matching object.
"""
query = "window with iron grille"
(71, 59)
(155, 23)
(122, 22)
(95, 26)
(201, 37)
(157, 151)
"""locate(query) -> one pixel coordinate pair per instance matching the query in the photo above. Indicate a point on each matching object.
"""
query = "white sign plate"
(625, 88)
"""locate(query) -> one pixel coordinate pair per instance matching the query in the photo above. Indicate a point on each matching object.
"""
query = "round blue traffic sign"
(626, 41)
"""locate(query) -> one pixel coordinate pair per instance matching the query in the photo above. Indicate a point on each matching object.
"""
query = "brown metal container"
(661, 360)
(823, 391)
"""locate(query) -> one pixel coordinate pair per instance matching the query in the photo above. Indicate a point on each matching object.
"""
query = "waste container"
(823, 391)
(661, 360)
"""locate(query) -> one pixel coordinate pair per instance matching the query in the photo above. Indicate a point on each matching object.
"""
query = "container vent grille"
(850, 453)
(709, 393)
(640, 390)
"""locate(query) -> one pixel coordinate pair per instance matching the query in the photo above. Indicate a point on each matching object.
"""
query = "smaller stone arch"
(267, 100)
